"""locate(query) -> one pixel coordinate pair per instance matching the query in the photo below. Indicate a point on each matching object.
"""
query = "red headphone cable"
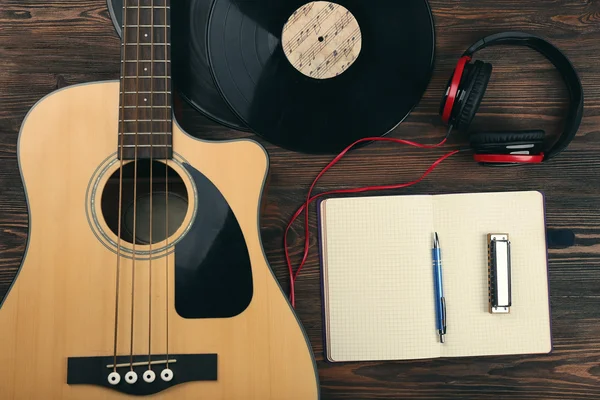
(310, 198)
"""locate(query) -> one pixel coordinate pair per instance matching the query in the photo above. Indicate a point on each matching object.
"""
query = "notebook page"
(463, 222)
(378, 278)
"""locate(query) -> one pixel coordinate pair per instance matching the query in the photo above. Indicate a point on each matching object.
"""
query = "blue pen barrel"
(439, 290)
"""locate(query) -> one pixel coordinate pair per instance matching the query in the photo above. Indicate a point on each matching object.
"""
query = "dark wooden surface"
(49, 44)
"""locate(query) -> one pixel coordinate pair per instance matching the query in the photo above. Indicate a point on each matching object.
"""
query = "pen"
(440, 301)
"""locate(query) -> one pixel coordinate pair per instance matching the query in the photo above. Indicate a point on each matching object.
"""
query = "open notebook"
(378, 288)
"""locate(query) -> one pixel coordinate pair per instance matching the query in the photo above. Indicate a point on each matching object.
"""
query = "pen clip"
(444, 315)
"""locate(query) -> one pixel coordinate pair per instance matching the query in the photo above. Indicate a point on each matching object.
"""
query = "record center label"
(322, 39)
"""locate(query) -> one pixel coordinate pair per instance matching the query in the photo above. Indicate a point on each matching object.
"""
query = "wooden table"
(50, 44)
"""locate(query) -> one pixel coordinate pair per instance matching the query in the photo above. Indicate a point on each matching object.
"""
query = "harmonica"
(500, 294)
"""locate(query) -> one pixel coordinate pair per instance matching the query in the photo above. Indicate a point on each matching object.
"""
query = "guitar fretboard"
(145, 118)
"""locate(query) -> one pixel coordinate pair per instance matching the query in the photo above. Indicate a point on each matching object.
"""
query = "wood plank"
(46, 45)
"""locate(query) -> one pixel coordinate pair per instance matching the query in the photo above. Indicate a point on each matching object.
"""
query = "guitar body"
(62, 304)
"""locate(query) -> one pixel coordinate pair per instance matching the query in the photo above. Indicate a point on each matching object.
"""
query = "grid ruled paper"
(378, 276)
(463, 222)
(378, 265)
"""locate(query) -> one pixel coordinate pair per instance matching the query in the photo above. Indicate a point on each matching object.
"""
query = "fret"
(136, 7)
(157, 99)
(149, 114)
(157, 146)
(146, 120)
(147, 26)
(142, 99)
(159, 69)
(146, 77)
(146, 16)
(146, 107)
(154, 140)
(157, 153)
(145, 133)
(146, 145)
(146, 70)
(133, 126)
(145, 112)
(157, 52)
(145, 3)
(147, 34)
(145, 84)
(130, 139)
(146, 44)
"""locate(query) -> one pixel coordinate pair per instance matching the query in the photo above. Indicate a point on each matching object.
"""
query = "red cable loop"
(310, 198)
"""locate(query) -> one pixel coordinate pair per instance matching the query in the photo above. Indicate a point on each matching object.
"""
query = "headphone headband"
(561, 63)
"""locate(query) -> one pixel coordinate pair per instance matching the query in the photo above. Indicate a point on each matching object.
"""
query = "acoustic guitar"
(144, 273)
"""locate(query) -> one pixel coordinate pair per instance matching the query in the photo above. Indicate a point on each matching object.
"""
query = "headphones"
(467, 87)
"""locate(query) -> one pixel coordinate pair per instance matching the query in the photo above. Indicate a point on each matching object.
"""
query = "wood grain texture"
(51, 44)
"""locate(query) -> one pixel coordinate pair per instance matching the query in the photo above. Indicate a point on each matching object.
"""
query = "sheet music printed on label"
(322, 39)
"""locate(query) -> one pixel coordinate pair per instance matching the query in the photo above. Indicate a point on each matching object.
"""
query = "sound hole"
(177, 202)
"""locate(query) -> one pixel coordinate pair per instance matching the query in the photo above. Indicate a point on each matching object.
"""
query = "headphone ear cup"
(530, 142)
(475, 88)
(508, 147)
(483, 139)
(450, 99)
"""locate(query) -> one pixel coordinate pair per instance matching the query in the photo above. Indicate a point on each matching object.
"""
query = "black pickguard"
(213, 275)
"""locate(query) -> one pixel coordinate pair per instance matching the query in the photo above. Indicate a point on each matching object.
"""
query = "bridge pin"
(114, 378)
(131, 377)
(166, 375)
(149, 376)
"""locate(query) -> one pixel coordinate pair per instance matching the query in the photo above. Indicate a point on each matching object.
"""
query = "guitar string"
(135, 173)
(151, 183)
(122, 133)
(166, 148)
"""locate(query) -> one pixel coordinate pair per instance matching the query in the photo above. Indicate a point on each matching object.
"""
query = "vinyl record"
(277, 64)
(191, 75)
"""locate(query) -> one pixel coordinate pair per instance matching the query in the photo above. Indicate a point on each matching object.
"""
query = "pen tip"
(436, 240)
(442, 339)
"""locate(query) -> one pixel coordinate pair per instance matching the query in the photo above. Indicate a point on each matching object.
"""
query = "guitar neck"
(145, 122)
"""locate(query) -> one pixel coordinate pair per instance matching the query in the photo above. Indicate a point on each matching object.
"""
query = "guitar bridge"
(183, 368)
